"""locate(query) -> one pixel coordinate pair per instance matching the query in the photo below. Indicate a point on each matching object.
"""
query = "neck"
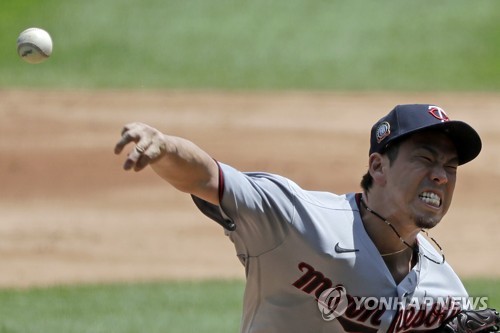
(390, 237)
(387, 245)
(396, 252)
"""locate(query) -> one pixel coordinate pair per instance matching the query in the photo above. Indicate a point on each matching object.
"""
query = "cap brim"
(467, 141)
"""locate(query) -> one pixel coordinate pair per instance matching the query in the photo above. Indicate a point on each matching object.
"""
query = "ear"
(377, 166)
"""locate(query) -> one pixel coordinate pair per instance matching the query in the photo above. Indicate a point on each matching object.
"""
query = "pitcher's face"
(421, 180)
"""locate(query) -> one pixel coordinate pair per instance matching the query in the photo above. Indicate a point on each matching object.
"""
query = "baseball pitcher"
(325, 262)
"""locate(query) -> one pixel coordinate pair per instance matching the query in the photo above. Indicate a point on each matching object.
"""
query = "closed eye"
(425, 158)
(452, 168)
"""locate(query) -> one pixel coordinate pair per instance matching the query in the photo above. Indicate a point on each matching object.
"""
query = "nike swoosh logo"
(340, 249)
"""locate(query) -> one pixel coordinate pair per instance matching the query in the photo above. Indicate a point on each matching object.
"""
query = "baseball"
(34, 45)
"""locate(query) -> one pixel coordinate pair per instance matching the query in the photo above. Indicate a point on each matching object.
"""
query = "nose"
(439, 175)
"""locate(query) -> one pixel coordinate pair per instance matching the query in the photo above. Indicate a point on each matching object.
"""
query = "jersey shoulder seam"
(306, 200)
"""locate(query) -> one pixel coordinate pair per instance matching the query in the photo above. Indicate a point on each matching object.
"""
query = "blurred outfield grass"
(260, 44)
(174, 307)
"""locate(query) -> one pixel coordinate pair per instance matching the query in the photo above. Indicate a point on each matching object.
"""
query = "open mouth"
(431, 199)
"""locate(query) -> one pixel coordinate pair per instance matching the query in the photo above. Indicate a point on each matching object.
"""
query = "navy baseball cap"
(408, 119)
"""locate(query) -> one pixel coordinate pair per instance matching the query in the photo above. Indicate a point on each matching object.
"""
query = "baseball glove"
(472, 321)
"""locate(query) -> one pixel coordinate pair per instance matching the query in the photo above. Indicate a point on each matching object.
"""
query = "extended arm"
(178, 161)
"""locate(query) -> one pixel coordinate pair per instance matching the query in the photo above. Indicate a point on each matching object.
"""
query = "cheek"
(452, 181)
(450, 190)
(408, 181)
(403, 190)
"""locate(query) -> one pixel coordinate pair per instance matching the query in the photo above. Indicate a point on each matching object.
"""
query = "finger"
(143, 161)
(138, 157)
(132, 133)
(131, 160)
(122, 143)
(143, 143)
(128, 135)
(140, 149)
(150, 154)
(127, 128)
(131, 126)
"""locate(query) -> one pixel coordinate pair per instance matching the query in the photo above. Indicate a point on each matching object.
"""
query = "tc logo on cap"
(438, 113)
(383, 131)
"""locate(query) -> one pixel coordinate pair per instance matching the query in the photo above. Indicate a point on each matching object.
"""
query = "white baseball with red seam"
(34, 45)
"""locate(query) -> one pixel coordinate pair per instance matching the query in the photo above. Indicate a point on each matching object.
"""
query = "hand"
(150, 145)
(178, 161)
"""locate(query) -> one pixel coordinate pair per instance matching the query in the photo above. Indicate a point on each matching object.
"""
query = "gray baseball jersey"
(311, 266)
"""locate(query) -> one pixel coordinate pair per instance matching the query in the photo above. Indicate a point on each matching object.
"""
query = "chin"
(427, 222)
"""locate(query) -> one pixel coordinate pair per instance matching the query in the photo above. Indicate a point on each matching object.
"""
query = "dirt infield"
(70, 214)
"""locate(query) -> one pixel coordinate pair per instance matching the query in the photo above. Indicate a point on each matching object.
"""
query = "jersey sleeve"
(256, 209)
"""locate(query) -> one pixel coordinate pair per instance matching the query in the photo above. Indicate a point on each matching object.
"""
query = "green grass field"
(208, 306)
(261, 44)
(174, 307)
